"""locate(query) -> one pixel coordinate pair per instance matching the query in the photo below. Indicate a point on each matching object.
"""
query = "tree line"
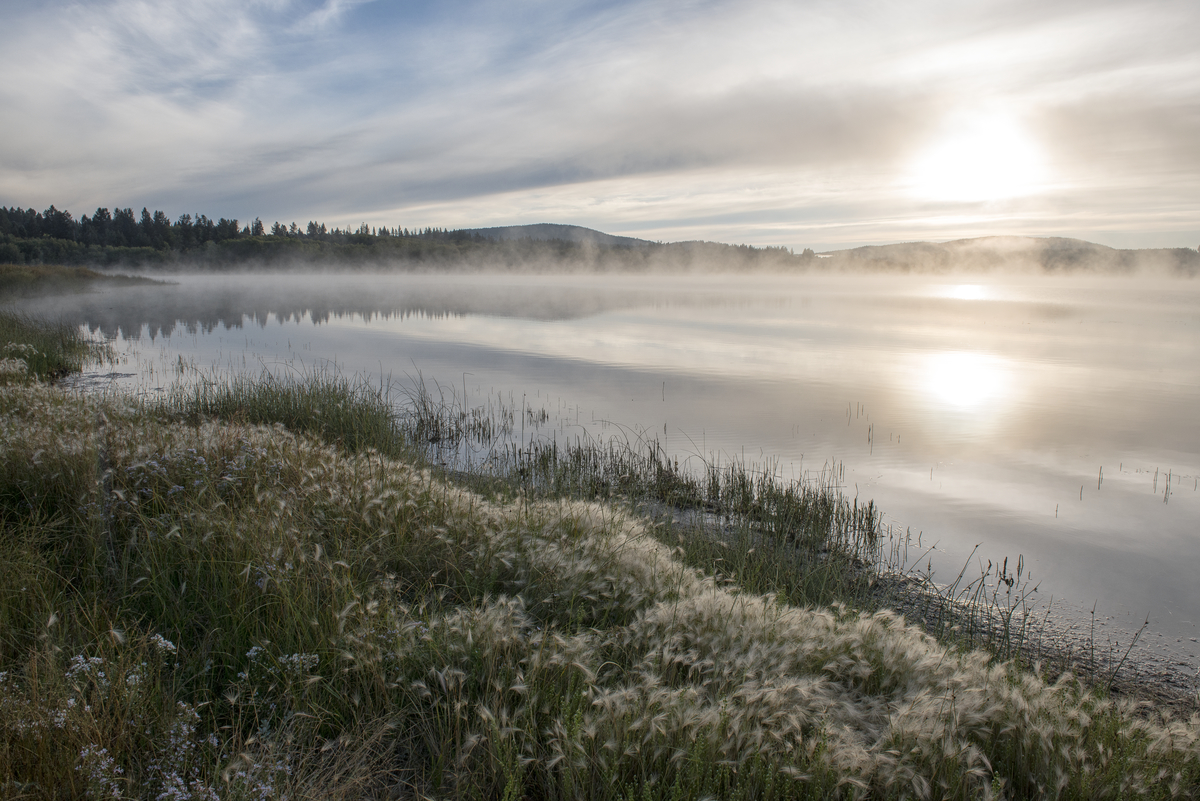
(121, 237)
(123, 228)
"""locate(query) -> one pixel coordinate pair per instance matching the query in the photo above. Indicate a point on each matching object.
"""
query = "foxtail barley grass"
(202, 608)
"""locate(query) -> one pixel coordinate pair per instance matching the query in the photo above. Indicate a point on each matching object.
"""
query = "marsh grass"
(33, 349)
(196, 607)
(349, 412)
(480, 446)
(800, 539)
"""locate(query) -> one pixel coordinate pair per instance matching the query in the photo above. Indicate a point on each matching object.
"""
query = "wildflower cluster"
(266, 689)
(102, 716)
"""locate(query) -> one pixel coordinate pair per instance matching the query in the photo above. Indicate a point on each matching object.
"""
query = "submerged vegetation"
(262, 590)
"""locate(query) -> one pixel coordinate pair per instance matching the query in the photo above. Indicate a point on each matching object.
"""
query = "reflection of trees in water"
(161, 310)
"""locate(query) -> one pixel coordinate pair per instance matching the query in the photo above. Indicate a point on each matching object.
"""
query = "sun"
(978, 158)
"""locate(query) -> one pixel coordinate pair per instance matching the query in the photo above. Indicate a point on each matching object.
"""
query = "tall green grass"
(203, 608)
(349, 412)
(32, 349)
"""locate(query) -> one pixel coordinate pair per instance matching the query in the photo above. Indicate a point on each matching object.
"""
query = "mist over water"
(1049, 417)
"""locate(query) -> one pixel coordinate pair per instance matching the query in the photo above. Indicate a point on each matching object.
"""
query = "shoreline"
(1056, 638)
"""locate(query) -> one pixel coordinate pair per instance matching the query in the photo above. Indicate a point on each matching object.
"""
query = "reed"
(350, 412)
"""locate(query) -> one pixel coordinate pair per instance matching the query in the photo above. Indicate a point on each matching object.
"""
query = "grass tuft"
(33, 349)
(351, 413)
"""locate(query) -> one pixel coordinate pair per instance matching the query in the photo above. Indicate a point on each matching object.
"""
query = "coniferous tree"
(124, 229)
(162, 233)
(225, 229)
(96, 230)
(57, 224)
(184, 234)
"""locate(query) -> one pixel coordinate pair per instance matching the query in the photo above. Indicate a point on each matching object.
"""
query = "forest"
(122, 238)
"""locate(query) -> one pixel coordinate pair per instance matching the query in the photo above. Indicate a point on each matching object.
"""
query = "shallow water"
(973, 410)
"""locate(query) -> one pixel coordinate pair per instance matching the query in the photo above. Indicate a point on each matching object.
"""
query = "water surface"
(1055, 418)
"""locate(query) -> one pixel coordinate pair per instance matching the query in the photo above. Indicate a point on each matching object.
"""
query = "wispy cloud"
(329, 13)
(753, 121)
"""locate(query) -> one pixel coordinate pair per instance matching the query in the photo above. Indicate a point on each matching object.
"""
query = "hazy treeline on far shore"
(122, 238)
(1048, 254)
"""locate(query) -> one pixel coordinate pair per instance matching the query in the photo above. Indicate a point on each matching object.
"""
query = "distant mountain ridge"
(556, 232)
(1047, 254)
(987, 253)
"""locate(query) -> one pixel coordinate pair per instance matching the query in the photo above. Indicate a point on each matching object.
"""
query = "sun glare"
(976, 160)
(967, 292)
(965, 381)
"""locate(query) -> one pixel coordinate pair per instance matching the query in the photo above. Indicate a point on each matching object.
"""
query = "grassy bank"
(197, 602)
(21, 280)
(800, 540)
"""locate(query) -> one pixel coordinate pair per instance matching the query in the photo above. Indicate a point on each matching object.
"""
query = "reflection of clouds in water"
(966, 382)
(654, 340)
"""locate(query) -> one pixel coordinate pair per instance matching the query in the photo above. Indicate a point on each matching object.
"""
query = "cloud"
(648, 116)
(329, 13)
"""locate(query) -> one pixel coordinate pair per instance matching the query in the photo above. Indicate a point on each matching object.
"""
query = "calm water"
(972, 410)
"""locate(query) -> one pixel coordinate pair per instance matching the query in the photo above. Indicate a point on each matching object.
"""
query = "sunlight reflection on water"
(967, 292)
(967, 382)
(975, 411)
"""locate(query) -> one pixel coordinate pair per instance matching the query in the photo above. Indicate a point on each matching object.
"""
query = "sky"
(824, 124)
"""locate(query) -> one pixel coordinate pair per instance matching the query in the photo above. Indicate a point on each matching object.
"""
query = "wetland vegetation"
(281, 588)
(24, 280)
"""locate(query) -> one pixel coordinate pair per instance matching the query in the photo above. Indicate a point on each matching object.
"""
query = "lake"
(1055, 418)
